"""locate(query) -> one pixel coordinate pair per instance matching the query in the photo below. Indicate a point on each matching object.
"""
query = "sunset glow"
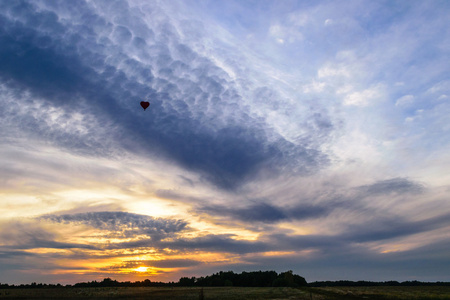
(141, 269)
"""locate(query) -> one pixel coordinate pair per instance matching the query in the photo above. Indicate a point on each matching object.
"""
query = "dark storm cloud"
(79, 60)
(392, 186)
(123, 224)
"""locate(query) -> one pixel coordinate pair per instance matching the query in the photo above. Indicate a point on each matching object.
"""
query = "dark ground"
(231, 293)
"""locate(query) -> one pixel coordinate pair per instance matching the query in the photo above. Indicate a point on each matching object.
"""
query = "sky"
(310, 136)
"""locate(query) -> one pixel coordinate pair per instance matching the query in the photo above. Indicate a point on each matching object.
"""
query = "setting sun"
(141, 269)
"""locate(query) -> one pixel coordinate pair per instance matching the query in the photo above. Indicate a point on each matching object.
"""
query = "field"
(385, 292)
(230, 293)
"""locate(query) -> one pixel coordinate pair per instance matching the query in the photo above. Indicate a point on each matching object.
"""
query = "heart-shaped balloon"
(145, 104)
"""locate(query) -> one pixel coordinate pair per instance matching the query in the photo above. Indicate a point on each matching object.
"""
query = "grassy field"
(231, 293)
(386, 292)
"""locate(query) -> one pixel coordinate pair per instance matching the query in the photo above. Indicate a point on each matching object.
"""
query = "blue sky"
(303, 135)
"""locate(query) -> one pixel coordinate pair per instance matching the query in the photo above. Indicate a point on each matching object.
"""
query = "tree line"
(248, 279)
(229, 278)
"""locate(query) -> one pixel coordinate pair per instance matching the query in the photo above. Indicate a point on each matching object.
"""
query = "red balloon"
(145, 104)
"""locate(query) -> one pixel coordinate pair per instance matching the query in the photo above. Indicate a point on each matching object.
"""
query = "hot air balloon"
(145, 104)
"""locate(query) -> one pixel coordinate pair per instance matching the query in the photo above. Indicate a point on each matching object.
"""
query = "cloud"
(29, 234)
(376, 228)
(400, 266)
(382, 228)
(259, 212)
(267, 213)
(307, 211)
(365, 97)
(392, 186)
(224, 243)
(256, 155)
(122, 224)
(284, 34)
(404, 100)
(196, 120)
(164, 263)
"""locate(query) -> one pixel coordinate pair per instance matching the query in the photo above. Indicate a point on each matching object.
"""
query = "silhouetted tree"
(185, 281)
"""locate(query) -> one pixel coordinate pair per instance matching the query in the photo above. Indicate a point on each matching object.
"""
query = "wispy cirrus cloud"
(390, 186)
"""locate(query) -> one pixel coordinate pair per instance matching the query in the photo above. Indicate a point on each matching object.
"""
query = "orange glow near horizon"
(141, 269)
